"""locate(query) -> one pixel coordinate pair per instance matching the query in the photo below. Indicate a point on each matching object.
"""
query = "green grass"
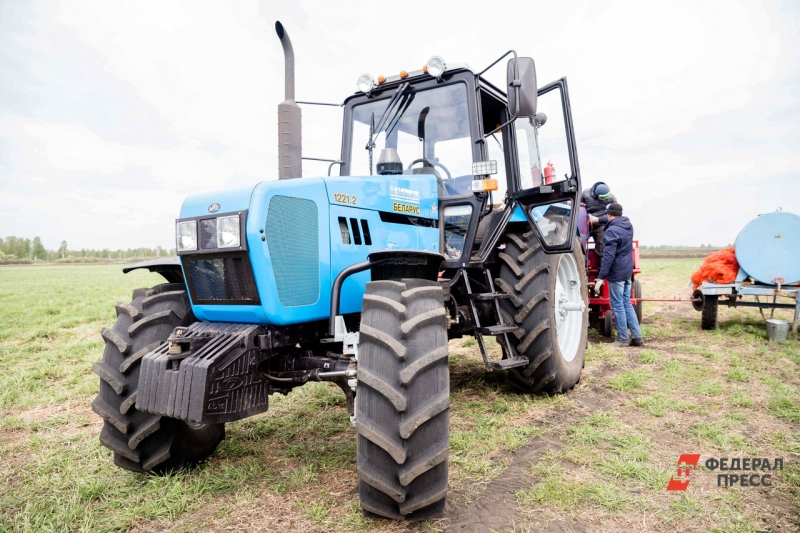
(632, 380)
(608, 446)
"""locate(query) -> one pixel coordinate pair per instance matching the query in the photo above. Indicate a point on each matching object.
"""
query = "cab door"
(549, 185)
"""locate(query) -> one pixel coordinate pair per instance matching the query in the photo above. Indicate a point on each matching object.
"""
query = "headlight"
(436, 66)
(228, 232)
(366, 83)
(186, 235)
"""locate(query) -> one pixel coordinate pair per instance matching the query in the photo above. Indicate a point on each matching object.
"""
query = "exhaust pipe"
(290, 149)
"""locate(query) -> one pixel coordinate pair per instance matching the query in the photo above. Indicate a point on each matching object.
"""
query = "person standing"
(596, 199)
(617, 271)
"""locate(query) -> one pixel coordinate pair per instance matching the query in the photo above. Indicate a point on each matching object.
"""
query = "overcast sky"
(112, 112)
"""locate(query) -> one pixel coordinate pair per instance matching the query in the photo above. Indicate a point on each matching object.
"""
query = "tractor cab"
(490, 161)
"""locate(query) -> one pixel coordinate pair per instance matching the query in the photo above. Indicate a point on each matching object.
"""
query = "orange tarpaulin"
(718, 267)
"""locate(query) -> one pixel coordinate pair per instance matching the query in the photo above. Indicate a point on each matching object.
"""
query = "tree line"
(21, 250)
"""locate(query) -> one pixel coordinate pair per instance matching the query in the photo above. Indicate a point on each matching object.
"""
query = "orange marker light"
(403, 74)
(381, 79)
(425, 69)
(490, 184)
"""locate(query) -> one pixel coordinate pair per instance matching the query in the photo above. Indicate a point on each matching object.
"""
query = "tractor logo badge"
(213, 208)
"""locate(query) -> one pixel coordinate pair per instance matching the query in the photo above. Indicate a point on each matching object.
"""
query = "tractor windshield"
(430, 129)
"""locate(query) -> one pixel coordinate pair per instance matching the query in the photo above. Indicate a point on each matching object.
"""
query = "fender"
(169, 268)
(387, 265)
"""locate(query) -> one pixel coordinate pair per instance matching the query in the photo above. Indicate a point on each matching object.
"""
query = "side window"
(456, 223)
(542, 143)
(494, 114)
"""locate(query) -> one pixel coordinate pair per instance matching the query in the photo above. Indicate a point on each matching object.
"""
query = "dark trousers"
(597, 234)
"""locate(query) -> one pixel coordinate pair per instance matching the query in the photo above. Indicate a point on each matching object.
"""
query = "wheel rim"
(569, 307)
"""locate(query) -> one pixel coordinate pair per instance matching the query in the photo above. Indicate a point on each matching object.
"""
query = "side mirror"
(521, 91)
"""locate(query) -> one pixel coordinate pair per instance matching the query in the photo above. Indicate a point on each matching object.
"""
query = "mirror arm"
(516, 85)
(496, 61)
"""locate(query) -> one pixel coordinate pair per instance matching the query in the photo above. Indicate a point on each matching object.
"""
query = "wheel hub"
(569, 306)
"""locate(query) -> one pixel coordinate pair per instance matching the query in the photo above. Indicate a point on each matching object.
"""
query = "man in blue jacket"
(617, 270)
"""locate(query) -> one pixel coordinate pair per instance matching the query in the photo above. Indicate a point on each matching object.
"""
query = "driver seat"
(430, 169)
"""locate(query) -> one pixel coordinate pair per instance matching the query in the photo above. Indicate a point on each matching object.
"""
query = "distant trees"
(21, 250)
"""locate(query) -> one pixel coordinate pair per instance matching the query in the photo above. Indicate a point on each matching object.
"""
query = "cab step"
(496, 330)
(505, 364)
(488, 296)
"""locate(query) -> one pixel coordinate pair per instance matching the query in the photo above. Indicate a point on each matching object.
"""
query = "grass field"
(595, 459)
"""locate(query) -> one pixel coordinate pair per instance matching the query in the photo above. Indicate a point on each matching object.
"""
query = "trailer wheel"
(636, 289)
(552, 338)
(143, 442)
(608, 324)
(708, 319)
(403, 400)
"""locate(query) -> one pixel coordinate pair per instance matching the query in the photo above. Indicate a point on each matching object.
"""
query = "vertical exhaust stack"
(290, 148)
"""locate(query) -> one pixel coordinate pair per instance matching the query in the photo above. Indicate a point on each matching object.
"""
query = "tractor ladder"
(500, 328)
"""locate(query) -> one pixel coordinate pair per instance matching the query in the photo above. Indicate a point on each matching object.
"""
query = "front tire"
(403, 399)
(540, 286)
(144, 442)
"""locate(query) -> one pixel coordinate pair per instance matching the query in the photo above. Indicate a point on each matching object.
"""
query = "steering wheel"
(430, 164)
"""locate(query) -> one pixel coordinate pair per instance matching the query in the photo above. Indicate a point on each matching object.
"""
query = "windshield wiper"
(384, 117)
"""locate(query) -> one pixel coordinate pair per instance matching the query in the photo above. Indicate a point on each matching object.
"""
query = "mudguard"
(169, 268)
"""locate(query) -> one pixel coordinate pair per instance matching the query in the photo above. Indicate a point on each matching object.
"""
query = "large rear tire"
(403, 399)
(553, 339)
(143, 442)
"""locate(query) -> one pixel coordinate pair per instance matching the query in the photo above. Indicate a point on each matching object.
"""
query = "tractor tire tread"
(156, 318)
(129, 310)
(112, 336)
(529, 276)
(402, 453)
(108, 375)
(377, 384)
(155, 298)
(110, 415)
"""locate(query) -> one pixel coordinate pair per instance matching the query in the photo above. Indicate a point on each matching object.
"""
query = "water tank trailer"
(768, 252)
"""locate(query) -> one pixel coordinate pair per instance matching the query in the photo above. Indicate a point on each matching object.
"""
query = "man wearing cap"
(617, 270)
(596, 199)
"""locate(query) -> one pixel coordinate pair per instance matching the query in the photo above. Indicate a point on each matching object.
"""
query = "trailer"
(768, 255)
(707, 298)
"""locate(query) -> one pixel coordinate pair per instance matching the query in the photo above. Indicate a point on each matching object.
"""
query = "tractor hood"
(217, 201)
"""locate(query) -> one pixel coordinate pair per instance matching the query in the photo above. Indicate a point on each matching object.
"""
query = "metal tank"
(768, 248)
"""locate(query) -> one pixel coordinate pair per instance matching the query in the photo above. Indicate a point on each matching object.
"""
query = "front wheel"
(403, 400)
(549, 297)
(144, 442)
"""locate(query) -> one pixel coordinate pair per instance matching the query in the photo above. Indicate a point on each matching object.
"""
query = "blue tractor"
(442, 223)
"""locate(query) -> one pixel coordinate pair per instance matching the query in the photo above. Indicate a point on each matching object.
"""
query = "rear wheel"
(403, 399)
(143, 442)
(708, 319)
(548, 301)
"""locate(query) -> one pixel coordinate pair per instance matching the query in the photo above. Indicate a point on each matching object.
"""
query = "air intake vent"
(221, 279)
(292, 232)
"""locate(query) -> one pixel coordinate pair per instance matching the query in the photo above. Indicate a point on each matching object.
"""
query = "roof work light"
(436, 67)
(366, 83)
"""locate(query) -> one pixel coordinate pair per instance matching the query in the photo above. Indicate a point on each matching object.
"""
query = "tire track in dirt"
(495, 509)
